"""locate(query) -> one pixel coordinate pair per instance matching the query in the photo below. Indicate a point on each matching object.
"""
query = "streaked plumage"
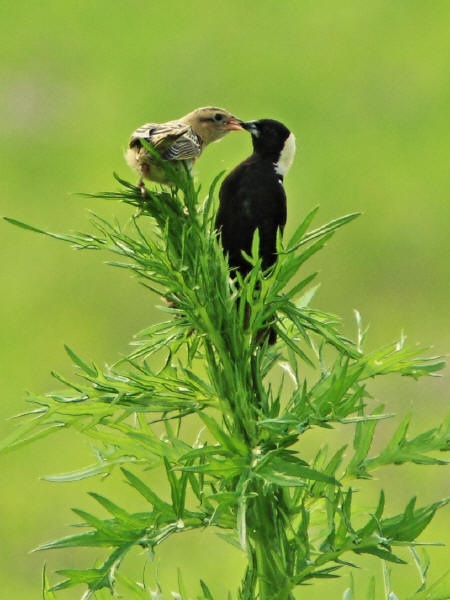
(179, 140)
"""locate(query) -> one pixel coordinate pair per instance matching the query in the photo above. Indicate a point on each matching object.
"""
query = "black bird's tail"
(268, 333)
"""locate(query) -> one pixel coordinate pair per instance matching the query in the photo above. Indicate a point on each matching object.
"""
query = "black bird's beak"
(250, 126)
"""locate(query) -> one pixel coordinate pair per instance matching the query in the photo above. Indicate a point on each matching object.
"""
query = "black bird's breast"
(251, 197)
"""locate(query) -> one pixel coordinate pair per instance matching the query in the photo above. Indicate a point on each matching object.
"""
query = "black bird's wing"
(251, 197)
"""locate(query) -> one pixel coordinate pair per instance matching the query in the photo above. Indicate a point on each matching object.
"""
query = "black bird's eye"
(218, 117)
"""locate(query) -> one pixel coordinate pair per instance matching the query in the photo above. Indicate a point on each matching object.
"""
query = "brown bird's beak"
(234, 125)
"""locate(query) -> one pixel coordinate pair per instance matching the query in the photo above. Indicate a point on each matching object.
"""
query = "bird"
(177, 141)
(252, 197)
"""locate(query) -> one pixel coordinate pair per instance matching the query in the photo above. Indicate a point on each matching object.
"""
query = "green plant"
(295, 520)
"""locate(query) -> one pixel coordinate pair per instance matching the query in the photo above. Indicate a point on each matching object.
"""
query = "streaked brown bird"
(179, 140)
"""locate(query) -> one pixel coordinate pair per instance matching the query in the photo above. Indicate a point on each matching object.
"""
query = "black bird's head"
(273, 140)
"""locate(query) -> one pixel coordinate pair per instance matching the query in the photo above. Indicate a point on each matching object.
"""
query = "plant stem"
(268, 537)
(265, 520)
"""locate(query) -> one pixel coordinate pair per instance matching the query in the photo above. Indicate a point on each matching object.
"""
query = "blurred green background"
(365, 86)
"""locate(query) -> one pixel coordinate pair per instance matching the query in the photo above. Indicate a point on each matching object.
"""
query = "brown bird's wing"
(187, 147)
(160, 136)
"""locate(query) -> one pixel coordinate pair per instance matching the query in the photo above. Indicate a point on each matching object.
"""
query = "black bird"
(252, 196)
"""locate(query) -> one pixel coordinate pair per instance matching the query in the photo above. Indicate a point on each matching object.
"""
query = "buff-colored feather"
(179, 140)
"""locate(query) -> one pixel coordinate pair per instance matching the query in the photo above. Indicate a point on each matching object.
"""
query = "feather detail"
(188, 146)
(159, 136)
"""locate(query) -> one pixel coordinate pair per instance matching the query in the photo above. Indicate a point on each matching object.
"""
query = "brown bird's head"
(212, 123)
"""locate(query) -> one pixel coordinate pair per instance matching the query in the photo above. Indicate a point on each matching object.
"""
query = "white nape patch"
(286, 156)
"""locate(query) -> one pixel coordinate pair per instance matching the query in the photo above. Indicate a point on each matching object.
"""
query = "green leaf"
(381, 553)
(374, 522)
(301, 229)
(210, 198)
(137, 590)
(103, 468)
(362, 442)
(46, 593)
(207, 594)
(231, 443)
(438, 590)
(92, 371)
(291, 473)
(324, 230)
(96, 579)
(39, 428)
(148, 494)
(119, 513)
(408, 525)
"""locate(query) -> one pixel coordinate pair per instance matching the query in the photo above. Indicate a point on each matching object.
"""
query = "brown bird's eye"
(218, 117)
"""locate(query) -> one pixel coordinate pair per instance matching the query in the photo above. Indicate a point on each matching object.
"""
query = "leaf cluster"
(246, 473)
